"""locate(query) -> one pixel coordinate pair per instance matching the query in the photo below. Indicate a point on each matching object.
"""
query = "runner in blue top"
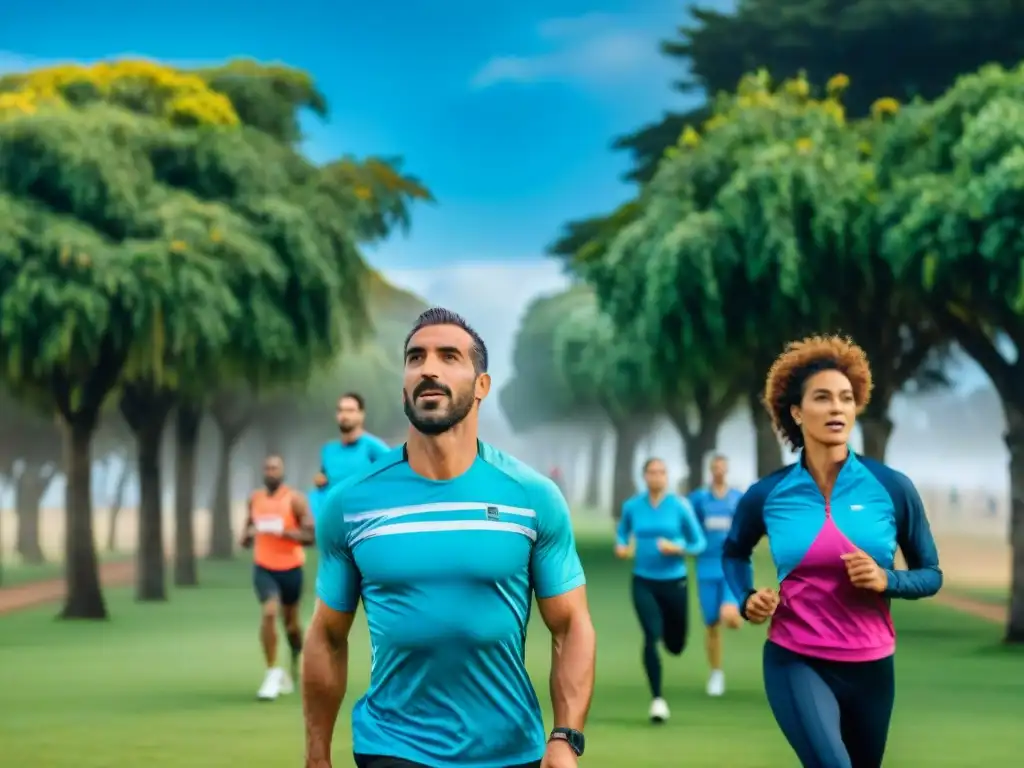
(833, 521)
(659, 529)
(356, 448)
(446, 541)
(715, 505)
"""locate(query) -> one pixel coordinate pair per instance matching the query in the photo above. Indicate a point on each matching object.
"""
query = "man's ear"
(482, 387)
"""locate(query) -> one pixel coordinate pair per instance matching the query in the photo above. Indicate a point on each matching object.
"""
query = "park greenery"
(845, 195)
(169, 255)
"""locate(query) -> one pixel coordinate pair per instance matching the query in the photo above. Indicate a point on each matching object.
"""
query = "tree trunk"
(1015, 444)
(875, 432)
(595, 465)
(629, 433)
(768, 449)
(232, 412)
(221, 537)
(188, 420)
(117, 500)
(84, 598)
(146, 411)
(698, 442)
(29, 490)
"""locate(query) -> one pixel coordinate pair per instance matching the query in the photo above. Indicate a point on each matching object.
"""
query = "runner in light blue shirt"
(356, 448)
(715, 505)
(659, 529)
(446, 540)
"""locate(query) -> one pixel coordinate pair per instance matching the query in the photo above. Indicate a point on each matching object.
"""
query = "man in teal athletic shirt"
(445, 540)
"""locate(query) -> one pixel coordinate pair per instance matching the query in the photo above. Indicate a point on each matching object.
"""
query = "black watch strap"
(571, 737)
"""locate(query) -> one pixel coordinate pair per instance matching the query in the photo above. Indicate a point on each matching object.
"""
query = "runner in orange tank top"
(279, 525)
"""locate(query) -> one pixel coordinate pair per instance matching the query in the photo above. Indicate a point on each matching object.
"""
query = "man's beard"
(347, 429)
(433, 423)
(272, 485)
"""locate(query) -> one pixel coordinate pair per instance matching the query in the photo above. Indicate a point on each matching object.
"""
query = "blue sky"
(506, 110)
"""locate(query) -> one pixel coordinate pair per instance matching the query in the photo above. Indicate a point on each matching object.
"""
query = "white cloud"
(593, 47)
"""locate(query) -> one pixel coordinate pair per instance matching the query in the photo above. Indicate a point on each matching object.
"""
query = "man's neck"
(445, 456)
(719, 488)
(347, 438)
(656, 497)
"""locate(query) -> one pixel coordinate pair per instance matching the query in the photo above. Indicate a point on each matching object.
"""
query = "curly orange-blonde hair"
(802, 359)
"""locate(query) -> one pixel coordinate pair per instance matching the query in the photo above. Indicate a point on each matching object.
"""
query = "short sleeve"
(338, 580)
(555, 566)
(377, 449)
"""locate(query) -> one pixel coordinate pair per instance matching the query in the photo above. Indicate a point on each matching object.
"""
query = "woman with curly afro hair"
(833, 521)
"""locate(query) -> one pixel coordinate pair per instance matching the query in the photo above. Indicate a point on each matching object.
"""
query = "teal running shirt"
(446, 571)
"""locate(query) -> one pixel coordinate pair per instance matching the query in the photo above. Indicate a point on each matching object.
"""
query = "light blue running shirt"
(715, 515)
(446, 571)
(673, 519)
(340, 460)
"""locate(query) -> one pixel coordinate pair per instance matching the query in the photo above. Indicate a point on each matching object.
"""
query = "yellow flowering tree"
(759, 226)
(158, 239)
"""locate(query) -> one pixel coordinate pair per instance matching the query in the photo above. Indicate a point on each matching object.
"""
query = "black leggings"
(382, 761)
(663, 610)
(834, 714)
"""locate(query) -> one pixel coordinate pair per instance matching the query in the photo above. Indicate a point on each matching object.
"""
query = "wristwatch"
(571, 737)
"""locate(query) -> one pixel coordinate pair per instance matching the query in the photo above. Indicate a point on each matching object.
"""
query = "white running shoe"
(716, 683)
(271, 687)
(287, 685)
(659, 711)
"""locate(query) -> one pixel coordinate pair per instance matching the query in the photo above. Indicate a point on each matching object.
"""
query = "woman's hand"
(864, 572)
(761, 606)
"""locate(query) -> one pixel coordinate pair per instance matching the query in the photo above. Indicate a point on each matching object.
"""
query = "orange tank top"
(272, 515)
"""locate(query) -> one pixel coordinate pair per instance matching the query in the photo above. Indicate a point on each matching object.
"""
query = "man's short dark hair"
(442, 316)
(719, 457)
(652, 460)
(354, 396)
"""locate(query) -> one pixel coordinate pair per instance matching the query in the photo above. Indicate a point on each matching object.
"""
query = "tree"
(157, 172)
(537, 394)
(936, 42)
(601, 366)
(759, 230)
(799, 212)
(29, 461)
(954, 192)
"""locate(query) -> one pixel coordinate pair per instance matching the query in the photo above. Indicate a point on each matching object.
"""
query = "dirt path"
(115, 574)
(977, 608)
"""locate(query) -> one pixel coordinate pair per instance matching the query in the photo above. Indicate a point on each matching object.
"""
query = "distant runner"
(279, 525)
(356, 449)
(715, 506)
(663, 530)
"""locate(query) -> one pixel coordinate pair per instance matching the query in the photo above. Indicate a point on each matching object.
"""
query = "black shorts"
(285, 586)
(382, 761)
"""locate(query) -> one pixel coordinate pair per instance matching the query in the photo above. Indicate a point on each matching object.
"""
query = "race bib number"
(270, 525)
(718, 523)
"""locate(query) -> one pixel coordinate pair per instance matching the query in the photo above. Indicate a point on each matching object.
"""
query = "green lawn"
(173, 685)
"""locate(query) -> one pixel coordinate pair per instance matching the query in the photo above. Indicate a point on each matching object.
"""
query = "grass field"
(173, 685)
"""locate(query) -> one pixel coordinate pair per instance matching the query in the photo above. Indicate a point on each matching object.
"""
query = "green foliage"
(204, 252)
(537, 393)
(954, 169)
(822, 37)
(601, 366)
